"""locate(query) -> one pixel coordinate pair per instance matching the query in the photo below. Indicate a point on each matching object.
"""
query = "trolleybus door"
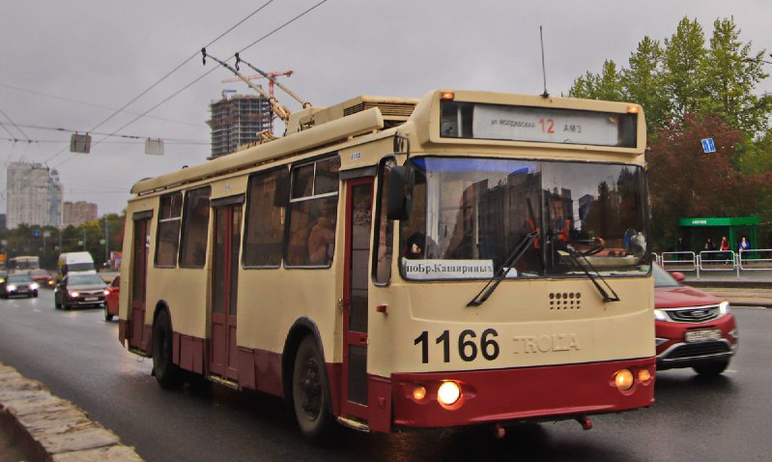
(140, 250)
(359, 203)
(227, 229)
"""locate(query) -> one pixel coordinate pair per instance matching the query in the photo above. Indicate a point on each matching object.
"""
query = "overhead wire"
(167, 75)
(285, 24)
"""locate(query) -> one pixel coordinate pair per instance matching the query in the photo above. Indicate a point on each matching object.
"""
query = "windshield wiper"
(507, 264)
(569, 249)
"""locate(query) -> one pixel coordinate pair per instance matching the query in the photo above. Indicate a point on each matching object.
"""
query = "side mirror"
(400, 194)
(678, 276)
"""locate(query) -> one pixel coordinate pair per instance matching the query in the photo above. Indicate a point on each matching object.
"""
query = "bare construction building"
(236, 121)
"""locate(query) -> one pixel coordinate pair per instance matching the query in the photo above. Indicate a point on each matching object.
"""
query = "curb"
(51, 429)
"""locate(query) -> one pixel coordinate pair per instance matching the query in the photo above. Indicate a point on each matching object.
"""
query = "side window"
(384, 237)
(168, 235)
(313, 211)
(195, 228)
(266, 214)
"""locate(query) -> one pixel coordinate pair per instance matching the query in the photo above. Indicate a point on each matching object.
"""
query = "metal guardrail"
(755, 260)
(716, 260)
(679, 261)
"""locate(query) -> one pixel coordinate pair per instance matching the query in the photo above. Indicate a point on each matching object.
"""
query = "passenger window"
(384, 237)
(195, 228)
(266, 215)
(313, 214)
(167, 240)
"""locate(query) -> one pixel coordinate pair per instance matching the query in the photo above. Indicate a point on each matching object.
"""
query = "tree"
(711, 188)
(643, 82)
(731, 75)
(607, 85)
(683, 69)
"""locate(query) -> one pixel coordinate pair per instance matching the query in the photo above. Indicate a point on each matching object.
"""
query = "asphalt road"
(77, 355)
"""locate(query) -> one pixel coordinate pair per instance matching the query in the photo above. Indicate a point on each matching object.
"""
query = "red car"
(43, 278)
(111, 300)
(693, 328)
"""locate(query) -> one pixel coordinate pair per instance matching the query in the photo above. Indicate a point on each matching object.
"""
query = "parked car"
(76, 290)
(111, 301)
(693, 328)
(43, 278)
(19, 284)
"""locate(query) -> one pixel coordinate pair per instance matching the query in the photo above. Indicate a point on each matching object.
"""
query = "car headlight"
(34, 286)
(106, 292)
(74, 294)
(660, 315)
(11, 287)
(723, 308)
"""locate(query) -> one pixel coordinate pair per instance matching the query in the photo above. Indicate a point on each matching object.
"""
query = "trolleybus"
(466, 258)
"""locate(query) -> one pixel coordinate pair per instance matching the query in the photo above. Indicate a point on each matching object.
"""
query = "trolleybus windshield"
(468, 213)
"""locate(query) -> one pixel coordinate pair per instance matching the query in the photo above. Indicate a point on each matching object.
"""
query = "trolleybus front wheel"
(166, 373)
(310, 392)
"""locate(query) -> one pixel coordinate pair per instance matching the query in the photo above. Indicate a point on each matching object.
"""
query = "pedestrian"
(744, 244)
(724, 245)
(709, 245)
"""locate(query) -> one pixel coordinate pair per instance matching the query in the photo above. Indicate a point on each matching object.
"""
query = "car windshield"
(467, 214)
(74, 267)
(85, 279)
(662, 278)
(19, 278)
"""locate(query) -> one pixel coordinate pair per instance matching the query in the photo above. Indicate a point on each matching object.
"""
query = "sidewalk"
(45, 428)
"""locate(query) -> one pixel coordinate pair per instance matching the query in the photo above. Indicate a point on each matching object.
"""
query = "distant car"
(111, 301)
(693, 328)
(43, 278)
(20, 284)
(76, 290)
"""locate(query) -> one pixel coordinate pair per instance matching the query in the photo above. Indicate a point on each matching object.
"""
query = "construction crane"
(271, 81)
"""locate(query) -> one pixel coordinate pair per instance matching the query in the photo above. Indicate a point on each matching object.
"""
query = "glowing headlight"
(74, 294)
(624, 380)
(34, 286)
(106, 292)
(660, 315)
(11, 287)
(448, 393)
(723, 308)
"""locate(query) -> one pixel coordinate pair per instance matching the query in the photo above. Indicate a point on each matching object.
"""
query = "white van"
(75, 262)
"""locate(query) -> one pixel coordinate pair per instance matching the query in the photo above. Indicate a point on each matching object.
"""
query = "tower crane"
(271, 81)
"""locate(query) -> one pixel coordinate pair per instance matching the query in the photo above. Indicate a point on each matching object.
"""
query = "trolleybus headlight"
(624, 380)
(419, 392)
(644, 375)
(449, 393)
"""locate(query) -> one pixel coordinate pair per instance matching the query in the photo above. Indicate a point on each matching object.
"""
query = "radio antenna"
(543, 66)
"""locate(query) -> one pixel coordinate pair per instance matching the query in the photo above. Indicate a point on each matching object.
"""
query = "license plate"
(91, 299)
(702, 335)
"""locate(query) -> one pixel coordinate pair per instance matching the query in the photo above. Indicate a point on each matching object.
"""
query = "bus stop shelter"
(696, 231)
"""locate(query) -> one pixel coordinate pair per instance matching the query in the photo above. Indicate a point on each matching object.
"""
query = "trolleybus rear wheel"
(167, 374)
(310, 392)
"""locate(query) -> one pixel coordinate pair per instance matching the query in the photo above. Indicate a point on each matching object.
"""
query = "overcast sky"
(71, 65)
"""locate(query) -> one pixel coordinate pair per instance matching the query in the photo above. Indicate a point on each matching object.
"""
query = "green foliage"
(690, 90)
(51, 241)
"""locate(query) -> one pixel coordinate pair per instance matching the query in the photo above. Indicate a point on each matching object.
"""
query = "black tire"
(167, 374)
(311, 392)
(108, 316)
(713, 368)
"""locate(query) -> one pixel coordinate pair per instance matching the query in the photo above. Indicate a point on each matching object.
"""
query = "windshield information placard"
(433, 270)
(546, 125)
